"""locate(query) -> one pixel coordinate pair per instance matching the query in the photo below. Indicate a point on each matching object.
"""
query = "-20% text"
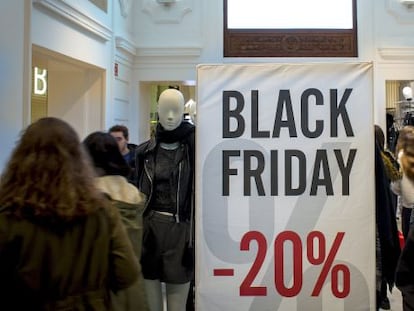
(316, 254)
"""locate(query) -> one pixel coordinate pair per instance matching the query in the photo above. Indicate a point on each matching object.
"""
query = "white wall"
(151, 42)
(14, 73)
(124, 109)
(393, 24)
(75, 95)
(172, 40)
(79, 32)
(82, 38)
(393, 49)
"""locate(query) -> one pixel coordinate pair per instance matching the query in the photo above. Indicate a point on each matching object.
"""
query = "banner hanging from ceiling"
(285, 216)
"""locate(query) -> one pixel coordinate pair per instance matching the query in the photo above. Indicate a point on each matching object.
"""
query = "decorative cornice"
(401, 12)
(125, 46)
(191, 67)
(289, 43)
(397, 53)
(167, 14)
(125, 7)
(169, 51)
(72, 14)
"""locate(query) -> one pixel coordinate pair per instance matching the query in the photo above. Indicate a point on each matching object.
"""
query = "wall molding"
(167, 67)
(125, 7)
(397, 53)
(72, 14)
(167, 14)
(125, 46)
(126, 51)
(169, 51)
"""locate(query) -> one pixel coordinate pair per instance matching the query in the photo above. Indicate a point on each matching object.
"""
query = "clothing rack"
(403, 114)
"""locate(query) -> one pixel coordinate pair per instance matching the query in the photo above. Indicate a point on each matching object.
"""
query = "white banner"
(285, 216)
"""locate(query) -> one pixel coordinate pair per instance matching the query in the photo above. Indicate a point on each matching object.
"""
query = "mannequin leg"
(190, 299)
(154, 294)
(405, 221)
(177, 296)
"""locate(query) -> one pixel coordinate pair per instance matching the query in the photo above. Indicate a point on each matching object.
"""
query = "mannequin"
(165, 171)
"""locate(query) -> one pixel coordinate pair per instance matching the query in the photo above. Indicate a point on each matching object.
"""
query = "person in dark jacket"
(387, 242)
(165, 172)
(127, 149)
(112, 171)
(62, 245)
(404, 279)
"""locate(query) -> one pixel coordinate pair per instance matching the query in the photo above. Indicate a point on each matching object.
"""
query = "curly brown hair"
(49, 174)
(405, 143)
(407, 159)
(402, 137)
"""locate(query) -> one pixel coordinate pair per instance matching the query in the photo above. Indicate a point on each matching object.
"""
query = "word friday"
(254, 164)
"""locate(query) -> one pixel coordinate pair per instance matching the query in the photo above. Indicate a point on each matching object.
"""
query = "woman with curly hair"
(62, 245)
(403, 187)
(405, 267)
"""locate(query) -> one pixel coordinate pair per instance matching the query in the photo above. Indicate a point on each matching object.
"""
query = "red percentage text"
(317, 254)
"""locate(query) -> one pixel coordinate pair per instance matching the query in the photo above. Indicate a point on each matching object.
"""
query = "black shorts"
(164, 249)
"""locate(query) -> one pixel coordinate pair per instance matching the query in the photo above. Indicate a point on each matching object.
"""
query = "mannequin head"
(170, 109)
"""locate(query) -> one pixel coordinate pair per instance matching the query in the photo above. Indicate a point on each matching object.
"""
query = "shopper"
(403, 187)
(405, 267)
(387, 242)
(62, 246)
(121, 134)
(112, 170)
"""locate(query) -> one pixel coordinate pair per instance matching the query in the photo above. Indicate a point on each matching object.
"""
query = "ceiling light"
(407, 93)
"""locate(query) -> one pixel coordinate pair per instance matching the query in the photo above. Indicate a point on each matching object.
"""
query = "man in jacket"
(121, 134)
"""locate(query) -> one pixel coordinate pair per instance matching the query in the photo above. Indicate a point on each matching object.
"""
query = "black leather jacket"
(181, 179)
(132, 148)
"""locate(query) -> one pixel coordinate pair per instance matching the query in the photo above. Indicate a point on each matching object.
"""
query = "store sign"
(285, 216)
(40, 81)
